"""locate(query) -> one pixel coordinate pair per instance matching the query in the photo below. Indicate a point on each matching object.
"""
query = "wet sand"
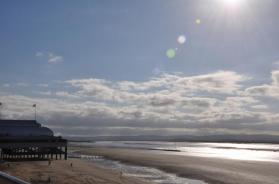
(61, 172)
(211, 170)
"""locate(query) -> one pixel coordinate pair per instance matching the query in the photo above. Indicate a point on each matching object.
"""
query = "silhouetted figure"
(71, 164)
(49, 163)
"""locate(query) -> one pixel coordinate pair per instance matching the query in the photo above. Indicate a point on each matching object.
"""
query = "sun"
(233, 3)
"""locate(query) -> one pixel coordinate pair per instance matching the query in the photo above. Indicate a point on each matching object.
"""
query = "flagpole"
(36, 112)
(0, 109)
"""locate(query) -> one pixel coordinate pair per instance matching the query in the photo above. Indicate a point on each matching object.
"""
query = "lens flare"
(198, 21)
(181, 39)
(233, 3)
(170, 53)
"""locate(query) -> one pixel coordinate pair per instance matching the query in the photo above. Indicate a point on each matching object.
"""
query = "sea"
(238, 151)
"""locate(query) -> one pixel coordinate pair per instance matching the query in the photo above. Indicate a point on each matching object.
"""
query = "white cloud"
(65, 94)
(18, 84)
(47, 93)
(22, 84)
(43, 85)
(217, 82)
(259, 107)
(214, 101)
(165, 89)
(52, 58)
(275, 77)
(270, 90)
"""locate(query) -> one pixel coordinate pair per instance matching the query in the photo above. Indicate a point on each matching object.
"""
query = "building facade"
(29, 140)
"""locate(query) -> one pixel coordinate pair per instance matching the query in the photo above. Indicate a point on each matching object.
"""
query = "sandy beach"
(211, 170)
(61, 172)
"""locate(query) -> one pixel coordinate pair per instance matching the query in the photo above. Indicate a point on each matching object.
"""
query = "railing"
(12, 178)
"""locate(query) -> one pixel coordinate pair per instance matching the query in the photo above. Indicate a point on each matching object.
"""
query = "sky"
(160, 67)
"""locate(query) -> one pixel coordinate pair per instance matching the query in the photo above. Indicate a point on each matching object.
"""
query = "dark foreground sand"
(60, 172)
(4, 181)
(211, 170)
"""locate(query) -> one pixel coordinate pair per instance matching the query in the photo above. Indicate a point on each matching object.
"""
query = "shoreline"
(61, 172)
(210, 170)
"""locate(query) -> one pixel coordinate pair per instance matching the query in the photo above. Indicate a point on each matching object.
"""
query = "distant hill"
(183, 138)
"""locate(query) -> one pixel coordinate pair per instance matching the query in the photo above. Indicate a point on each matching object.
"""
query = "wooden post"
(60, 152)
(66, 153)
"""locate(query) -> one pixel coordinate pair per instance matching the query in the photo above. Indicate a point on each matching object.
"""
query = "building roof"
(32, 123)
(23, 128)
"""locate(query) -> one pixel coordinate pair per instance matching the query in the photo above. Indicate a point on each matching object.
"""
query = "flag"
(34, 105)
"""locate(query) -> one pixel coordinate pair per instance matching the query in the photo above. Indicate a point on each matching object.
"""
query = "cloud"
(217, 82)
(260, 107)
(162, 90)
(43, 85)
(275, 78)
(161, 100)
(18, 84)
(65, 94)
(166, 103)
(267, 90)
(22, 84)
(45, 93)
(52, 58)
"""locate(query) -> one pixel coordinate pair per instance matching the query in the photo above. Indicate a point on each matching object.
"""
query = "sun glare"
(233, 3)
